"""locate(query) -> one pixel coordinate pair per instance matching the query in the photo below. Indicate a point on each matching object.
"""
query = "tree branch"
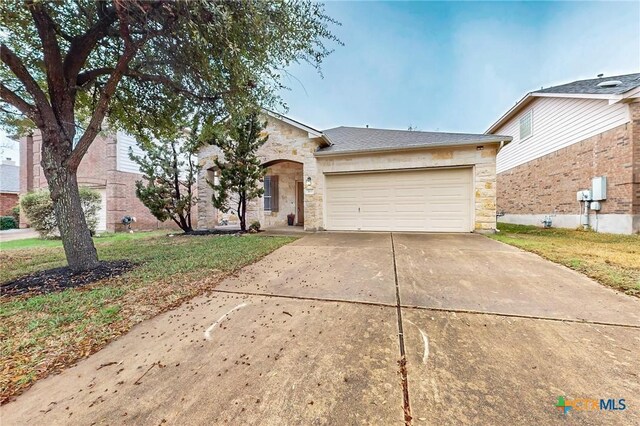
(86, 77)
(16, 101)
(82, 46)
(89, 76)
(51, 51)
(20, 71)
(130, 49)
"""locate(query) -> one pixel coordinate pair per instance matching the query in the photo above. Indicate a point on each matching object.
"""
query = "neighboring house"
(563, 137)
(368, 179)
(9, 186)
(107, 168)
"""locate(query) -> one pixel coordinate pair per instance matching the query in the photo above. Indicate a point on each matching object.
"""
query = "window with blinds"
(271, 193)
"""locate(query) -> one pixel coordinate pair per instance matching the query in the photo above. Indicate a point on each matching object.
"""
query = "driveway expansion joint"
(429, 308)
(403, 359)
(529, 317)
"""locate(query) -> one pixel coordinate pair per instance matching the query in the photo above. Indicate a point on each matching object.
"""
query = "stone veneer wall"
(285, 142)
(288, 174)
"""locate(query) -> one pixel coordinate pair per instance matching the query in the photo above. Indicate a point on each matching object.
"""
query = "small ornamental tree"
(240, 168)
(170, 169)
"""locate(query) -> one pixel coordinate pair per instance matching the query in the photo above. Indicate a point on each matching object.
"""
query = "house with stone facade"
(107, 168)
(365, 179)
(575, 156)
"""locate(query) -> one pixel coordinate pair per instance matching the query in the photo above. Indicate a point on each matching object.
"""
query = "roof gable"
(627, 90)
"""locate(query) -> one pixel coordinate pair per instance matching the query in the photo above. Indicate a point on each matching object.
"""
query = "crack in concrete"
(403, 359)
(434, 309)
(523, 316)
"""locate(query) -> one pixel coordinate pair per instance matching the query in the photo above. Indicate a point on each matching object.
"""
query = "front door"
(299, 203)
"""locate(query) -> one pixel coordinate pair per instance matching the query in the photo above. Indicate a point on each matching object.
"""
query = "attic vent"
(610, 83)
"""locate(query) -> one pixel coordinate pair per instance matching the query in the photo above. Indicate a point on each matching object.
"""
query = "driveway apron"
(365, 328)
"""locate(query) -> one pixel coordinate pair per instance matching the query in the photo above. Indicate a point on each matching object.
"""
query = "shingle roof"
(9, 178)
(590, 87)
(358, 139)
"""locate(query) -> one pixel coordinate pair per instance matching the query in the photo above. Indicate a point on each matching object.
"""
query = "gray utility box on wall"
(599, 188)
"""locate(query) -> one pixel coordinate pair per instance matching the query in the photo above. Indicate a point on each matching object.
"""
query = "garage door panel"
(425, 200)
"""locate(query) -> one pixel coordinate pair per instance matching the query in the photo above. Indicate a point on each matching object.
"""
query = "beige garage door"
(422, 200)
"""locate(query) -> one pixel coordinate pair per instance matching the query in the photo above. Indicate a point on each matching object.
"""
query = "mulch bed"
(211, 232)
(59, 279)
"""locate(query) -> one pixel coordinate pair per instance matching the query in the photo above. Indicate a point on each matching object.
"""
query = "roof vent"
(610, 83)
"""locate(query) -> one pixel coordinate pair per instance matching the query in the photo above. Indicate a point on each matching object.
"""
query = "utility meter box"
(584, 195)
(599, 188)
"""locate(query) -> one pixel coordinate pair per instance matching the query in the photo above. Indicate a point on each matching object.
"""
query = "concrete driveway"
(314, 334)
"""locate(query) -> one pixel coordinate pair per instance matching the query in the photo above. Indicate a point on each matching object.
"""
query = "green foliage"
(38, 208)
(7, 222)
(170, 169)
(240, 169)
(220, 55)
(69, 66)
(15, 212)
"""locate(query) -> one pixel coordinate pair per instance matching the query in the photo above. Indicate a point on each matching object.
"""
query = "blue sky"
(458, 66)
(455, 66)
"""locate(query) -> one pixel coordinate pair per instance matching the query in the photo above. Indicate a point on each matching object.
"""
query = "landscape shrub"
(15, 212)
(7, 222)
(38, 208)
(255, 226)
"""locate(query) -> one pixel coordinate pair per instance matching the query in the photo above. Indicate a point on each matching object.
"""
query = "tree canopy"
(142, 62)
(67, 66)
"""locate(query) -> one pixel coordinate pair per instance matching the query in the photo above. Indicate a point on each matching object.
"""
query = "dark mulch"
(58, 279)
(212, 232)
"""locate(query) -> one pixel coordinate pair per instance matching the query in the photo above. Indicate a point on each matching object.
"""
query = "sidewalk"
(17, 234)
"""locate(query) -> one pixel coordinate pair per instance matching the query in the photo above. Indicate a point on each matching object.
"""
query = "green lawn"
(105, 238)
(44, 333)
(611, 259)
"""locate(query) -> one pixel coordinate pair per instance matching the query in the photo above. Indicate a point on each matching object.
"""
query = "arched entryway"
(283, 194)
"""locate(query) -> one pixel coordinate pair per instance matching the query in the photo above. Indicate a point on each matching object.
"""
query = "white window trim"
(530, 114)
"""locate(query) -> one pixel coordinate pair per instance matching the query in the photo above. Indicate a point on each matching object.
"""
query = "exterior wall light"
(308, 182)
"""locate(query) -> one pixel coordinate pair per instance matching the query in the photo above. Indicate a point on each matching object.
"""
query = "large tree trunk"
(63, 184)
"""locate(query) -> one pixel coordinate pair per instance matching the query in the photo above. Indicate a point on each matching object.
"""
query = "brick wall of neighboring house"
(634, 113)
(98, 170)
(549, 184)
(7, 202)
